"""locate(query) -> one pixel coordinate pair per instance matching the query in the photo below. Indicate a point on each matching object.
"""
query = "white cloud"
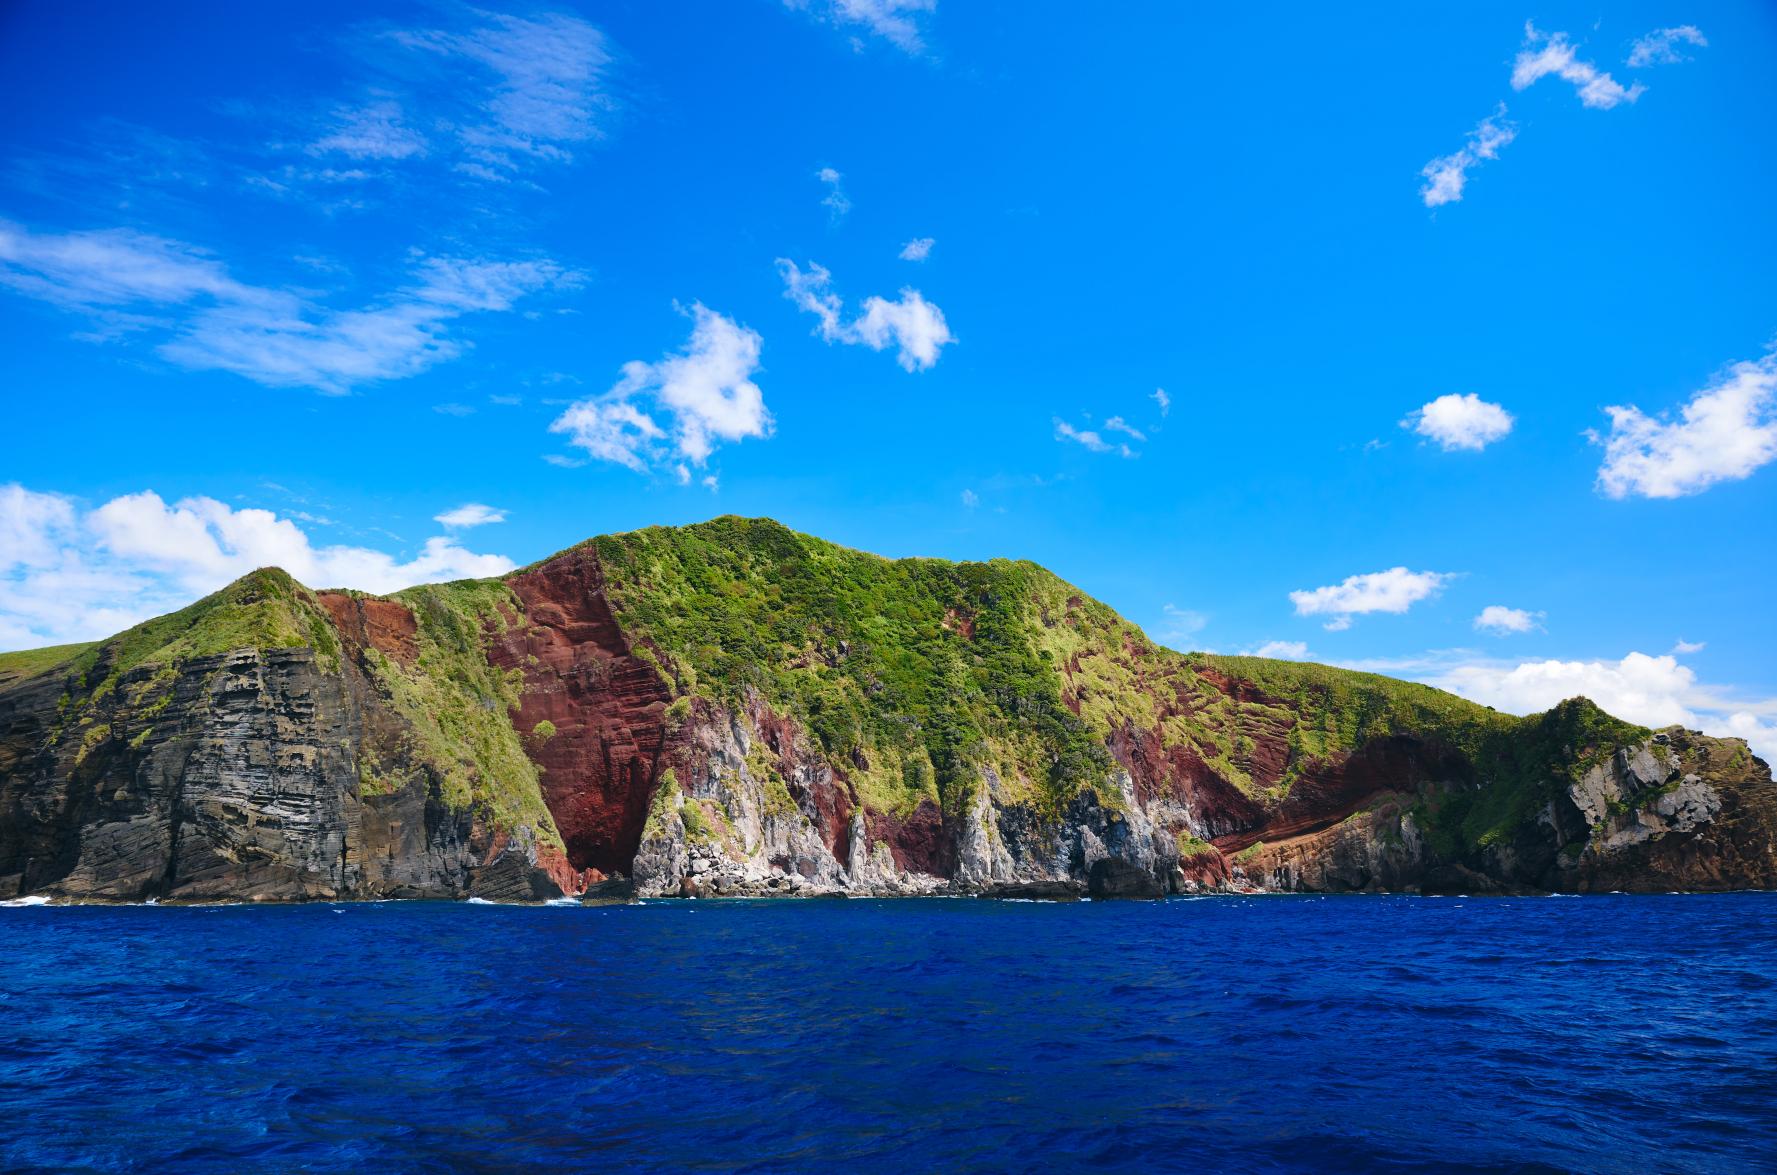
(1660, 47)
(1281, 650)
(69, 574)
(1650, 691)
(1550, 53)
(1446, 175)
(1090, 439)
(705, 392)
(128, 281)
(835, 201)
(1392, 591)
(534, 86)
(911, 324)
(1460, 422)
(1161, 398)
(374, 131)
(1501, 620)
(1683, 646)
(895, 21)
(971, 499)
(470, 514)
(1725, 432)
(1118, 424)
(918, 249)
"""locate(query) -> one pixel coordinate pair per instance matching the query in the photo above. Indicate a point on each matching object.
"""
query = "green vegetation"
(910, 675)
(30, 662)
(265, 609)
(458, 704)
(1190, 847)
(1523, 763)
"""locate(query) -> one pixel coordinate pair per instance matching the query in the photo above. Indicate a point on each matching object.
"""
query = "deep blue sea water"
(1356, 1033)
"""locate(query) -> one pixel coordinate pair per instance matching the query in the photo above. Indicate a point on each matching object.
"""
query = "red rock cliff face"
(602, 762)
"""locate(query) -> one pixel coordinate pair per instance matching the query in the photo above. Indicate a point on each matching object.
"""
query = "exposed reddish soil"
(918, 841)
(601, 763)
(384, 625)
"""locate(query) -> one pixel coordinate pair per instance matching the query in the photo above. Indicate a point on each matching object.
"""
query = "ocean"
(1256, 1034)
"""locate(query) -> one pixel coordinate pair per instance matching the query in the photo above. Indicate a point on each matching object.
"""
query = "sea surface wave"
(1261, 1034)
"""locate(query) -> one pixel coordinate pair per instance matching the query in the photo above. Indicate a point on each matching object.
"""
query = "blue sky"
(1463, 319)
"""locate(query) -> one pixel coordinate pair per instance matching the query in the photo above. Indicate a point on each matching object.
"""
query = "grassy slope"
(910, 674)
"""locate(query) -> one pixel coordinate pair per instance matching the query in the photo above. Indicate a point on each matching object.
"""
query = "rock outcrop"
(735, 710)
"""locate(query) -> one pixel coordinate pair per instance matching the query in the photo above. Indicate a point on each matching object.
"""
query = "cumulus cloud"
(1725, 432)
(1544, 54)
(1502, 621)
(470, 514)
(126, 281)
(1446, 176)
(1392, 591)
(895, 21)
(68, 573)
(918, 249)
(1648, 690)
(705, 394)
(1460, 422)
(915, 327)
(1090, 439)
(1661, 47)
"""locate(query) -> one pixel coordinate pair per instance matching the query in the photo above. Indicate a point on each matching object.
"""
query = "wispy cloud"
(1546, 54)
(895, 21)
(918, 249)
(1661, 47)
(125, 281)
(1725, 432)
(909, 323)
(533, 87)
(376, 130)
(704, 394)
(1446, 176)
(1090, 439)
(1165, 401)
(836, 202)
(470, 514)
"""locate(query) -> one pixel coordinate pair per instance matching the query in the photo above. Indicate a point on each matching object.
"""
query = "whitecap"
(35, 899)
(481, 902)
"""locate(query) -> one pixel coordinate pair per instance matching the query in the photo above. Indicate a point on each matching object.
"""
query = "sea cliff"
(737, 709)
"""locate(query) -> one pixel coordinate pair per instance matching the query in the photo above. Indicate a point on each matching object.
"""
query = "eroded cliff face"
(592, 713)
(1678, 811)
(234, 777)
